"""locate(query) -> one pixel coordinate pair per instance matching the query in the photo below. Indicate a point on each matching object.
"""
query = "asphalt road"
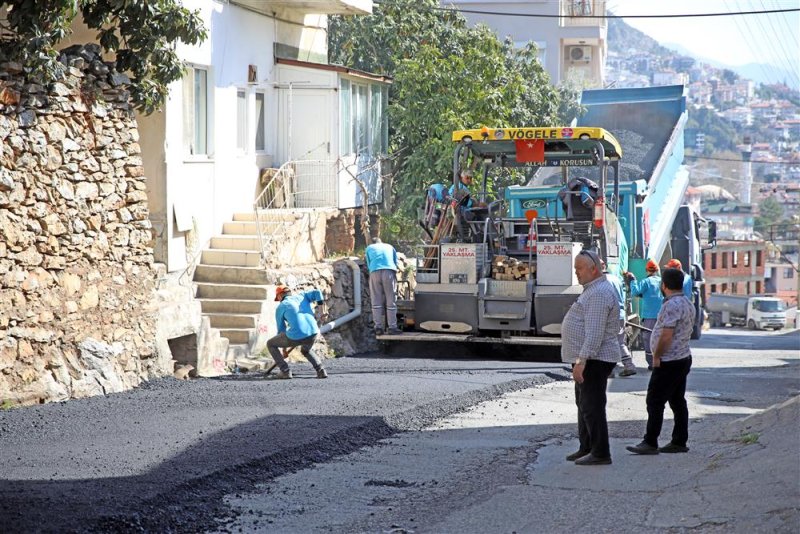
(421, 440)
(163, 456)
(499, 466)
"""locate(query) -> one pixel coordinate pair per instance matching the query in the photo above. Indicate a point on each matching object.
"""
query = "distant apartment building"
(739, 115)
(572, 45)
(780, 279)
(735, 267)
(734, 219)
(670, 78)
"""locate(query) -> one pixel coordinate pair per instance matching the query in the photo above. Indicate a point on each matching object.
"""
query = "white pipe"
(356, 311)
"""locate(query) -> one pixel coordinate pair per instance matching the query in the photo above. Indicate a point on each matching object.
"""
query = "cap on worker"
(280, 291)
(651, 266)
(674, 264)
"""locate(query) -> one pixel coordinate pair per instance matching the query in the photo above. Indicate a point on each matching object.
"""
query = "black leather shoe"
(642, 448)
(575, 455)
(591, 459)
(671, 447)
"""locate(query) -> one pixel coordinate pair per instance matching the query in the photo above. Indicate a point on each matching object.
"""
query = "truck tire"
(697, 331)
(751, 324)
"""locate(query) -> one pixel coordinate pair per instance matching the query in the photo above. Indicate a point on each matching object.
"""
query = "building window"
(788, 272)
(759, 258)
(758, 287)
(724, 288)
(735, 288)
(195, 111)
(241, 120)
(713, 288)
(713, 260)
(261, 123)
(364, 126)
(580, 8)
(735, 258)
(724, 260)
(747, 288)
(747, 260)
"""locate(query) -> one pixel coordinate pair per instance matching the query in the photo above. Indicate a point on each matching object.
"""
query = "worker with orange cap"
(687, 280)
(649, 289)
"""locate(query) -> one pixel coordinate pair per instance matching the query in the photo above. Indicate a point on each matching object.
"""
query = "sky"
(731, 40)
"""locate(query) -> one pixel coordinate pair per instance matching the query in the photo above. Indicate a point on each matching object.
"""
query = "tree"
(770, 212)
(140, 36)
(447, 76)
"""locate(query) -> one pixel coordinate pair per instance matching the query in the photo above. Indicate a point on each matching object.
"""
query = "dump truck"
(498, 267)
(753, 311)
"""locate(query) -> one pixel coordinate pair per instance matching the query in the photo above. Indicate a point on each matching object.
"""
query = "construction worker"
(458, 193)
(629, 368)
(688, 286)
(382, 265)
(649, 289)
(297, 326)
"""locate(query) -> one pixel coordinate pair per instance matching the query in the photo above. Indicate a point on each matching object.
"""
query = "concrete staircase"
(232, 287)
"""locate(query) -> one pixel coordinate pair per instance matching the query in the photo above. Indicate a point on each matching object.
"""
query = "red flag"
(529, 150)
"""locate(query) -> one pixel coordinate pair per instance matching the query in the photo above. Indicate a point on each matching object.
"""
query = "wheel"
(751, 324)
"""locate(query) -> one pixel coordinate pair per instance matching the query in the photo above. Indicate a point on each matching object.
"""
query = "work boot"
(642, 448)
(672, 447)
(378, 331)
(591, 459)
(283, 375)
(577, 454)
(630, 371)
(394, 331)
(322, 373)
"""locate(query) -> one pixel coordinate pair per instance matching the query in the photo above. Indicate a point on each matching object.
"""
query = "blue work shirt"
(620, 289)
(381, 256)
(436, 192)
(688, 286)
(295, 316)
(650, 290)
(463, 189)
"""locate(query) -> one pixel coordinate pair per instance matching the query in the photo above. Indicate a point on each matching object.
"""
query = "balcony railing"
(583, 13)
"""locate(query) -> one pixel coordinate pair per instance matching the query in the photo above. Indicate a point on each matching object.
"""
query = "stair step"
(235, 242)
(232, 258)
(230, 306)
(231, 275)
(240, 228)
(206, 290)
(269, 215)
(237, 335)
(231, 320)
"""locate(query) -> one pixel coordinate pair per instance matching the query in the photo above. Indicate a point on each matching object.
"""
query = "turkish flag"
(529, 150)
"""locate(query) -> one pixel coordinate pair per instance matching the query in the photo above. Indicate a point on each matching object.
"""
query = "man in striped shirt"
(589, 342)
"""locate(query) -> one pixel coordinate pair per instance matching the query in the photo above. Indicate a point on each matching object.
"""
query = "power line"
(609, 16)
(780, 162)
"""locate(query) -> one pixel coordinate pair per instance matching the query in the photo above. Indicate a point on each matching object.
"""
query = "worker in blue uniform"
(297, 327)
(649, 289)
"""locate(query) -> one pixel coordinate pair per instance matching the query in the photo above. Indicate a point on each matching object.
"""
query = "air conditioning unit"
(579, 54)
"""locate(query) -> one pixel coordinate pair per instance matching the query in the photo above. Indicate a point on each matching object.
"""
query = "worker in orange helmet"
(687, 280)
(649, 289)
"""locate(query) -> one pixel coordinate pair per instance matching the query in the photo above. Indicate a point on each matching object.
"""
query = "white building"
(571, 46)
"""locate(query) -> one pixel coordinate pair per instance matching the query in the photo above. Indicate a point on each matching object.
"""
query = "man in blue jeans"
(672, 360)
(297, 327)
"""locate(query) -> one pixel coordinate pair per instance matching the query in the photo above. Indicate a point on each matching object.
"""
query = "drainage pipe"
(356, 311)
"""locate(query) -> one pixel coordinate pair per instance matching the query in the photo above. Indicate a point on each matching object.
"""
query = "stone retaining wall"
(76, 260)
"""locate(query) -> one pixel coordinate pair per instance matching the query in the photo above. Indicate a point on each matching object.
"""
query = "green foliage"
(749, 439)
(770, 212)
(447, 76)
(720, 133)
(140, 36)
